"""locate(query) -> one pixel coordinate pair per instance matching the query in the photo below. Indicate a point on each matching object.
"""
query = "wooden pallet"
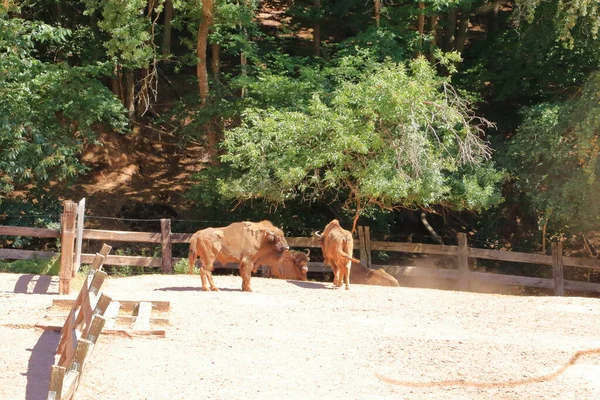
(126, 317)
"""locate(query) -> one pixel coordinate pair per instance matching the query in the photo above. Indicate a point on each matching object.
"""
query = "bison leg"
(346, 275)
(204, 278)
(213, 287)
(246, 273)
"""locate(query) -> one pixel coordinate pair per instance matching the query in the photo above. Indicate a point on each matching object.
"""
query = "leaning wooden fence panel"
(79, 333)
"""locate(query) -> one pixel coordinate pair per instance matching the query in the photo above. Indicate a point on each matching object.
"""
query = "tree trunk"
(450, 30)
(216, 61)
(130, 95)
(166, 43)
(317, 29)
(377, 12)
(430, 229)
(421, 26)
(243, 65)
(434, 26)
(463, 28)
(206, 22)
(493, 19)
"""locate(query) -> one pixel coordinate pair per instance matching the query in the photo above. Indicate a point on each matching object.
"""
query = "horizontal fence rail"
(462, 253)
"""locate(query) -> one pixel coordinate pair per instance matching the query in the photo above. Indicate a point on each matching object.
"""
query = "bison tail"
(347, 257)
(192, 255)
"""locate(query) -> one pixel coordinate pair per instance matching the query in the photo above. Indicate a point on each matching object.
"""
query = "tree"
(47, 110)
(554, 160)
(387, 136)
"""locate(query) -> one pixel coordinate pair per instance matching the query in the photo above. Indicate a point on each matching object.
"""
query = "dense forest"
(427, 117)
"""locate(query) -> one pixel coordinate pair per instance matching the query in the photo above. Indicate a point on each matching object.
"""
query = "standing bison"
(293, 265)
(337, 245)
(247, 243)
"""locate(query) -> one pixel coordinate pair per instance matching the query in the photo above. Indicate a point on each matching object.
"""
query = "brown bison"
(368, 276)
(293, 265)
(247, 243)
(337, 245)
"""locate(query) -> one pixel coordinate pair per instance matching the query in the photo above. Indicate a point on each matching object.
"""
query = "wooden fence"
(79, 333)
(461, 252)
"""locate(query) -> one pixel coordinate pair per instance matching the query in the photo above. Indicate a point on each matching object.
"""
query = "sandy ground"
(305, 340)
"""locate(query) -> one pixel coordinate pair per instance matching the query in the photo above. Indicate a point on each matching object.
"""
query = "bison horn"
(317, 234)
(307, 251)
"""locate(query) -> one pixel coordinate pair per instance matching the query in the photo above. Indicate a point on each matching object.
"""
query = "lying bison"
(337, 245)
(369, 276)
(247, 243)
(293, 265)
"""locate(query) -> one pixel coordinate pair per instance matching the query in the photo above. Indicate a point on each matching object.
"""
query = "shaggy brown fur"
(337, 245)
(293, 265)
(367, 276)
(248, 243)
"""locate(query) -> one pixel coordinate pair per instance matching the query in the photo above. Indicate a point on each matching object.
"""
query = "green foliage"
(566, 15)
(128, 29)
(394, 136)
(33, 266)
(181, 267)
(554, 157)
(48, 111)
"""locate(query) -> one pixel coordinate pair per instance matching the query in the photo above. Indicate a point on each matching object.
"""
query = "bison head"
(301, 260)
(278, 240)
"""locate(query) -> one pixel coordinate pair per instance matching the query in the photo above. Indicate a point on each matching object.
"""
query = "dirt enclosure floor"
(305, 340)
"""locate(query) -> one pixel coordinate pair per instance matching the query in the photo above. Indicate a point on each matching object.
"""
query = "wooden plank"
(415, 248)
(119, 236)
(132, 333)
(590, 263)
(57, 375)
(166, 256)
(512, 256)
(125, 260)
(111, 313)
(95, 328)
(79, 235)
(142, 314)
(582, 286)
(463, 260)
(557, 269)
(13, 254)
(55, 323)
(126, 305)
(102, 304)
(511, 280)
(81, 353)
(181, 237)
(6, 230)
(67, 242)
(70, 384)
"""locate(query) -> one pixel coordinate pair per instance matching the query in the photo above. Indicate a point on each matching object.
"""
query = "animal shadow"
(40, 364)
(191, 289)
(311, 285)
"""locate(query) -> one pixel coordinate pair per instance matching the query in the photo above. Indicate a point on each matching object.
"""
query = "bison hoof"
(246, 289)
(214, 289)
(347, 287)
(205, 289)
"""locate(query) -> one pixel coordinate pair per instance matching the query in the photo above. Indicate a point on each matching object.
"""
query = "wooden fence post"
(67, 241)
(463, 260)
(361, 245)
(167, 260)
(557, 269)
(79, 236)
